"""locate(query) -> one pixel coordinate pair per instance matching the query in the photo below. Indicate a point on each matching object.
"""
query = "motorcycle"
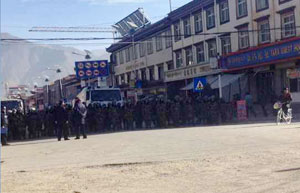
(281, 115)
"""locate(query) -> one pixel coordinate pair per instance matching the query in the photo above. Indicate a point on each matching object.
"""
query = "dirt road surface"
(256, 158)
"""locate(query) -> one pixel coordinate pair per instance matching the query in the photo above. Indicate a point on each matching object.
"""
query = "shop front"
(269, 68)
(180, 81)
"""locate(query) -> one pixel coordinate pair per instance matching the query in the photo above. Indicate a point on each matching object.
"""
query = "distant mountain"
(23, 62)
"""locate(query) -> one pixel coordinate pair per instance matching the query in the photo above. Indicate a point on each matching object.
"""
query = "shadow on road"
(288, 170)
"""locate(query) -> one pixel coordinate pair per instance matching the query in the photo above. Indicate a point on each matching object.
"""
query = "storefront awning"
(226, 80)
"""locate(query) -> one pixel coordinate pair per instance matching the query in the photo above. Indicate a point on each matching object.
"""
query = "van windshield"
(106, 95)
(10, 105)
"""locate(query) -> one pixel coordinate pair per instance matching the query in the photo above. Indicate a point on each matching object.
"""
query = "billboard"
(91, 69)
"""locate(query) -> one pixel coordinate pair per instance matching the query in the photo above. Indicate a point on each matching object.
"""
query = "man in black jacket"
(61, 119)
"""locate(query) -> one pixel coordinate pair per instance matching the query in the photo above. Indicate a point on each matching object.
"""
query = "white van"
(101, 96)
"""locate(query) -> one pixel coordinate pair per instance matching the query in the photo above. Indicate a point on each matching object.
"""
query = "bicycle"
(281, 116)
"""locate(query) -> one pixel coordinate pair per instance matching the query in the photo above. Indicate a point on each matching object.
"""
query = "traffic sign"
(91, 69)
(199, 84)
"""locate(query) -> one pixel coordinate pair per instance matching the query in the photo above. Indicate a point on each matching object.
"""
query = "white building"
(143, 57)
(254, 38)
(207, 31)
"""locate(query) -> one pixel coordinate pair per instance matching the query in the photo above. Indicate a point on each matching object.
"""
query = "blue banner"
(91, 69)
(199, 84)
(265, 55)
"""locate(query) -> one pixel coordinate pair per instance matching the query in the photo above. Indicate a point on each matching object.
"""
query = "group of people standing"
(65, 120)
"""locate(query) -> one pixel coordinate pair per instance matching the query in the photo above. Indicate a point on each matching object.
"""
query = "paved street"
(239, 158)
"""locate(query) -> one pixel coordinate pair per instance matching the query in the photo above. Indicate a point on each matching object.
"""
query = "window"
(243, 37)
(150, 46)
(210, 17)
(283, 1)
(151, 74)
(122, 79)
(187, 27)
(189, 56)
(143, 74)
(127, 54)
(168, 35)
(212, 48)
(242, 8)
(170, 65)
(159, 45)
(198, 22)
(226, 44)
(200, 53)
(224, 11)
(264, 32)
(128, 77)
(177, 31)
(117, 80)
(262, 5)
(161, 72)
(142, 49)
(121, 57)
(178, 55)
(288, 25)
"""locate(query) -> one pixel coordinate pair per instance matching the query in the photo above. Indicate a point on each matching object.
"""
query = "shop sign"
(293, 73)
(185, 73)
(269, 54)
(135, 66)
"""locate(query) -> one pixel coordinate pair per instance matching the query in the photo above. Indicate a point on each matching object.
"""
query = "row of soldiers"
(143, 115)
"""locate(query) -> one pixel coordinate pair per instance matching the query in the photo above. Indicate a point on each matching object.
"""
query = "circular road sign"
(96, 72)
(80, 65)
(95, 64)
(88, 65)
(102, 64)
(80, 73)
(89, 73)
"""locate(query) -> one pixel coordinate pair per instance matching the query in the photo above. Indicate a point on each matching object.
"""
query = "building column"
(147, 74)
(156, 72)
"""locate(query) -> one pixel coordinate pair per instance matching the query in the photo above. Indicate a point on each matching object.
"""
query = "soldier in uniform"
(138, 115)
(161, 112)
(61, 120)
(147, 114)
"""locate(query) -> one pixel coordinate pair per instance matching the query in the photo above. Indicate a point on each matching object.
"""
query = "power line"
(120, 38)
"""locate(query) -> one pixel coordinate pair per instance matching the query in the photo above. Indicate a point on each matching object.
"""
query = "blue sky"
(18, 16)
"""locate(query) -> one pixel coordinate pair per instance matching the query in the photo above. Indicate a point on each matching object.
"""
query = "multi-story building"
(254, 44)
(143, 58)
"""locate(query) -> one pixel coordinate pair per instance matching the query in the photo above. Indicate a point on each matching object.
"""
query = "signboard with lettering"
(293, 73)
(91, 69)
(241, 110)
(199, 84)
(280, 51)
(187, 72)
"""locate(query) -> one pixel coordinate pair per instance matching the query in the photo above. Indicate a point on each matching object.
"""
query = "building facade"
(142, 59)
(253, 44)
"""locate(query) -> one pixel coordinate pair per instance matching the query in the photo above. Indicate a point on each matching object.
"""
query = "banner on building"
(241, 110)
(285, 50)
(199, 84)
(91, 69)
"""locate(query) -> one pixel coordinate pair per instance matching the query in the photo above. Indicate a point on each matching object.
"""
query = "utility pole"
(170, 3)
